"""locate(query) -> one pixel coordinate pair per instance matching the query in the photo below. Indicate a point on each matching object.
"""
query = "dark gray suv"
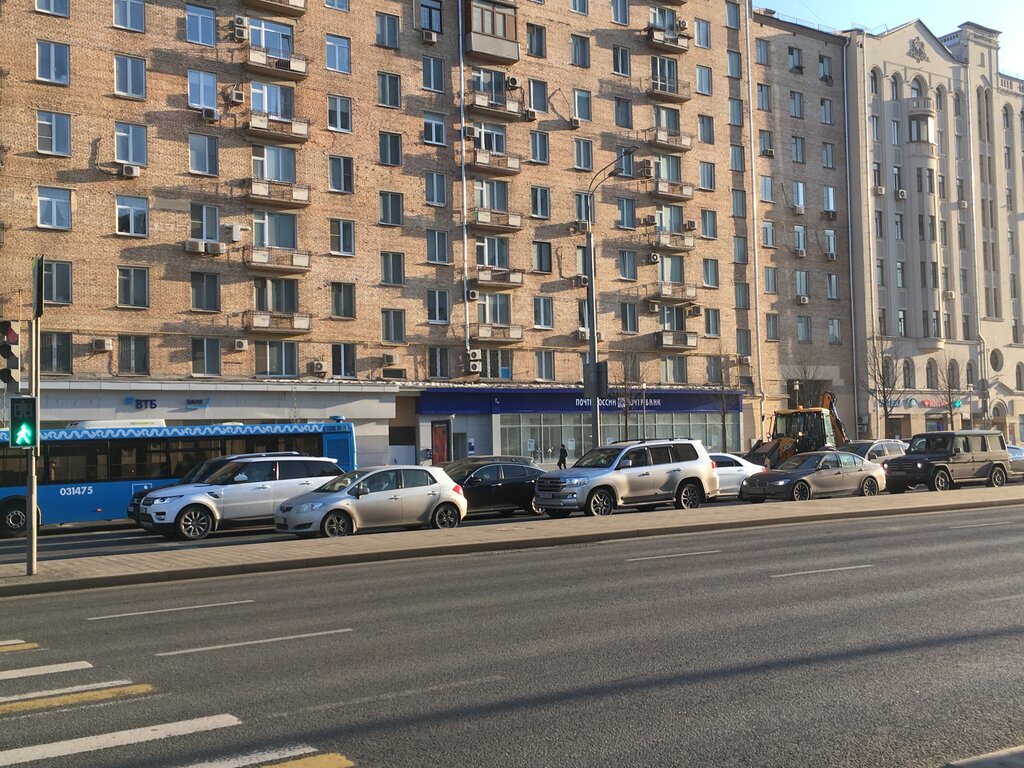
(944, 460)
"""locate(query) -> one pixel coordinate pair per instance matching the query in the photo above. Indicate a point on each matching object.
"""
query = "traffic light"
(957, 403)
(10, 354)
(22, 433)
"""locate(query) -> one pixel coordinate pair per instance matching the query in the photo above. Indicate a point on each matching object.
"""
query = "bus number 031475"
(76, 490)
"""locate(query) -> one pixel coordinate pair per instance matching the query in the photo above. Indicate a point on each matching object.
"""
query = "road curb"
(30, 587)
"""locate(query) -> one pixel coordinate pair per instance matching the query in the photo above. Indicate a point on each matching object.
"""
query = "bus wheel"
(194, 523)
(12, 520)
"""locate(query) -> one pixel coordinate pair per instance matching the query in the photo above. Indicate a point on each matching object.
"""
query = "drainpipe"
(462, 170)
(849, 237)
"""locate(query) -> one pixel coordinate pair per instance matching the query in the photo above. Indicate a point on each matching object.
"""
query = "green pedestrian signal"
(957, 403)
(22, 433)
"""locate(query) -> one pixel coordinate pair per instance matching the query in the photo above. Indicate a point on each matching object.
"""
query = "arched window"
(970, 374)
(1007, 118)
(1020, 377)
(909, 374)
(874, 82)
(931, 378)
(889, 373)
(957, 104)
(895, 88)
(916, 89)
(952, 375)
(940, 99)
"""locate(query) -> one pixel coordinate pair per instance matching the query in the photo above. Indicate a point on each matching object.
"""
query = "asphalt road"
(876, 642)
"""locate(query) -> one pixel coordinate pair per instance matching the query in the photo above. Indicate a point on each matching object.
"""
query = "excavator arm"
(828, 400)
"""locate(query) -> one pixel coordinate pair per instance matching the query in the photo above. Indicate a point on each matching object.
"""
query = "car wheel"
(940, 481)
(998, 478)
(557, 514)
(600, 504)
(801, 491)
(689, 496)
(445, 516)
(336, 523)
(534, 509)
(13, 521)
(194, 523)
(896, 488)
(869, 487)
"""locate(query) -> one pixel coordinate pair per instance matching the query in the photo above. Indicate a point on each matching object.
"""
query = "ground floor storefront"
(924, 413)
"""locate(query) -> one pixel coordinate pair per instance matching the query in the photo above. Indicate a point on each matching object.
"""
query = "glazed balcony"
(490, 48)
(496, 334)
(283, 323)
(494, 279)
(672, 242)
(277, 64)
(673, 293)
(278, 194)
(495, 221)
(293, 8)
(677, 340)
(277, 261)
(262, 125)
(483, 104)
(669, 91)
(667, 40)
(489, 163)
(664, 189)
(663, 138)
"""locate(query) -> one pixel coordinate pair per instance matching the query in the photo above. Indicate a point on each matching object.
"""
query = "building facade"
(292, 210)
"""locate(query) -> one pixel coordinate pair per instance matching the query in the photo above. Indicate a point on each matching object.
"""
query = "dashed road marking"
(60, 691)
(255, 758)
(11, 642)
(81, 697)
(49, 669)
(254, 642)
(983, 525)
(12, 647)
(822, 570)
(318, 761)
(678, 554)
(169, 610)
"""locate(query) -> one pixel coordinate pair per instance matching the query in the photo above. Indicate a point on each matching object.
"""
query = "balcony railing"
(485, 161)
(672, 242)
(266, 126)
(277, 260)
(497, 334)
(498, 279)
(671, 190)
(277, 63)
(677, 339)
(284, 323)
(497, 221)
(663, 138)
(668, 40)
(676, 91)
(281, 7)
(278, 194)
(492, 48)
(484, 103)
(674, 293)
(919, 105)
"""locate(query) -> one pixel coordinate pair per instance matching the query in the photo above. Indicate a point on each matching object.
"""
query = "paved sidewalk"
(150, 567)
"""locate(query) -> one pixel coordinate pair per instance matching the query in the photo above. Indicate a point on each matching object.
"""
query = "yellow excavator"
(800, 430)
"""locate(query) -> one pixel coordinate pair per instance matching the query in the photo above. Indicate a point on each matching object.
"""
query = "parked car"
(875, 450)
(496, 486)
(640, 473)
(732, 471)
(819, 473)
(384, 496)
(478, 459)
(1016, 461)
(944, 460)
(243, 491)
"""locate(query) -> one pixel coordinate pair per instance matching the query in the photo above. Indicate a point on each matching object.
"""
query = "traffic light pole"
(31, 487)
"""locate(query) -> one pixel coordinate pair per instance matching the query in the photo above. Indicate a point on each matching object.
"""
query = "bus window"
(138, 459)
(186, 454)
(13, 469)
(81, 462)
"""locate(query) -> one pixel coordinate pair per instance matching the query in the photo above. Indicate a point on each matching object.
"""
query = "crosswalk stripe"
(116, 739)
(11, 642)
(82, 697)
(317, 761)
(59, 691)
(49, 669)
(11, 648)
(254, 758)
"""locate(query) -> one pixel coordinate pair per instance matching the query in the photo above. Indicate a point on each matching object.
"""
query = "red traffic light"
(10, 332)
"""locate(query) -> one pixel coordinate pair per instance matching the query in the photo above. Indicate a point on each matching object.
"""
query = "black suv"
(944, 460)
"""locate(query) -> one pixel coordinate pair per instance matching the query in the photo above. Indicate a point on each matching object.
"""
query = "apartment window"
(707, 175)
(57, 282)
(436, 188)
(764, 97)
(710, 272)
(628, 317)
(132, 216)
(901, 322)
(894, 133)
(540, 202)
(742, 291)
(712, 322)
(392, 268)
(276, 101)
(492, 252)
(579, 50)
(541, 256)
(830, 241)
(536, 40)
(433, 74)
(627, 213)
(735, 112)
(828, 155)
(202, 90)
(56, 352)
(898, 226)
(545, 357)
(768, 233)
(430, 14)
(621, 62)
(277, 358)
(583, 204)
(339, 54)
(703, 80)
(737, 158)
(765, 144)
(53, 133)
(768, 189)
(673, 369)
(437, 246)
(671, 269)
(391, 209)
(739, 203)
(581, 104)
(828, 200)
(343, 300)
(771, 327)
(826, 111)
(796, 104)
(627, 265)
(393, 325)
(387, 30)
(620, 12)
(796, 146)
(795, 59)
(623, 112)
(624, 161)
(133, 355)
(204, 222)
(538, 96)
(705, 129)
(874, 128)
(771, 280)
(274, 230)
(339, 113)
(832, 286)
(343, 237)
(901, 273)
(543, 312)
(803, 329)
(206, 356)
(708, 223)
(53, 7)
(799, 194)
(205, 291)
(273, 163)
(200, 25)
(539, 151)
(739, 249)
(130, 143)
(343, 360)
(438, 362)
(761, 47)
(433, 128)
(732, 15)
(824, 67)
(130, 77)
(130, 14)
(132, 287)
(803, 282)
(743, 341)
(276, 295)
(734, 64)
(702, 29)
(584, 154)
(389, 90)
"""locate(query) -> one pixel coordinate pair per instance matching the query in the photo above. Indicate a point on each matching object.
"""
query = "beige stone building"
(281, 209)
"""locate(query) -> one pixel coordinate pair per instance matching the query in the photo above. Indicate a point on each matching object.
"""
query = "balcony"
(482, 103)
(932, 344)
(677, 339)
(261, 125)
(493, 164)
(493, 279)
(671, 190)
(278, 261)
(670, 91)
(923, 150)
(672, 242)
(283, 323)
(495, 221)
(673, 293)
(663, 138)
(491, 48)
(667, 40)
(294, 8)
(278, 194)
(277, 64)
(920, 106)
(496, 334)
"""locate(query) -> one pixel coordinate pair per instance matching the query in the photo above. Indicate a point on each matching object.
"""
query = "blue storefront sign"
(468, 401)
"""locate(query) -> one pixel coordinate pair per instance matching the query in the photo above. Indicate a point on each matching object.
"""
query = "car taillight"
(764, 468)
(458, 489)
(714, 464)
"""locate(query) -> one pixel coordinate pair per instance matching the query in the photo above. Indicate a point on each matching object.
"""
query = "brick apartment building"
(281, 209)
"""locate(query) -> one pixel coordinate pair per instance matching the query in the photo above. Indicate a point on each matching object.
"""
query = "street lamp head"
(614, 172)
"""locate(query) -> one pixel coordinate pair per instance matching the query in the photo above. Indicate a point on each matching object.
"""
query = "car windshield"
(600, 458)
(860, 449)
(800, 462)
(930, 444)
(460, 472)
(225, 474)
(201, 470)
(341, 482)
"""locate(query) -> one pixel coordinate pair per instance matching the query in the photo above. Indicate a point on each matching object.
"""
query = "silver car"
(375, 497)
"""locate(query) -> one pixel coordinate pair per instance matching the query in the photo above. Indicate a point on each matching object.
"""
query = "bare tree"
(881, 377)
(722, 379)
(630, 388)
(949, 383)
(810, 375)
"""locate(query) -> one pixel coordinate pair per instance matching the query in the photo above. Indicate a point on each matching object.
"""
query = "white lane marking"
(12, 642)
(169, 610)
(395, 695)
(822, 570)
(1002, 599)
(240, 761)
(680, 554)
(61, 691)
(253, 642)
(50, 669)
(116, 739)
(983, 525)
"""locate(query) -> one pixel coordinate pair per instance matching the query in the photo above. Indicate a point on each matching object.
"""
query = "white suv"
(242, 491)
(631, 473)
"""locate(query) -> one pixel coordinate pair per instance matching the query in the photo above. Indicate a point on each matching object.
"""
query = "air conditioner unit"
(474, 295)
(768, 152)
(131, 171)
(832, 215)
(799, 69)
(317, 366)
(469, 131)
(241, 34)
(241, 20)
(654, 258)
(799, 210)
(236, 233)
(236, 96)
(530, 115)
(475, 354)
(582, 334)
(830, 255)
(646, 169)
(574, 122)
(901, 194)
(744, 359)
(389, 358)
(211, 115)
(582, 281)
(690, 225)
(682, 24)
(804, 300)
(826, 79)
(880, 191)
(195, 246)
(241, 345)
(429, 36)
(475, 366)
(653, 307)
(649, 220)
(948, 295)
(512, 82)
(582, 226)
(217, 249)
(694, 311)
(102, 345)
(963, 205)
(800, 253)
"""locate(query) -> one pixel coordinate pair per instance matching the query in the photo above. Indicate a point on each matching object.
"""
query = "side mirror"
(625, 464)
(356, 492)
(475, 481)
(240, 478)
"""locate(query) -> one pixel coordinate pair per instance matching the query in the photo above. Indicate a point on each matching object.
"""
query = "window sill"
(394, 343)
(543, 328)
(199, 311)
(51, 303)
(203, 173)
(53, 154)
(129, 96)
(538, 162)
(52, 82)
(341, 255)
(132, 235)
(435, 144)
(53, 229)
(130, 307)
(437, 323)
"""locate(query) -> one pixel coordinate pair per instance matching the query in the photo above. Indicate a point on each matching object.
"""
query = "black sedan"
(1016, 461)
(821, 473)
(496, 486)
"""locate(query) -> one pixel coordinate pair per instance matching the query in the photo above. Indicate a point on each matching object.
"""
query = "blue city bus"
(89, 475)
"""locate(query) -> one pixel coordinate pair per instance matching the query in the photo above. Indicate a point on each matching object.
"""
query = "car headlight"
(920, 465)
(164, 499)
(576, 481)
(779, 482)
(312, 507)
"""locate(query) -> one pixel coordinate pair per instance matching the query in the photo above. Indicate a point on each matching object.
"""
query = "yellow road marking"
(317, 761)
(84, 697)
(18, 647)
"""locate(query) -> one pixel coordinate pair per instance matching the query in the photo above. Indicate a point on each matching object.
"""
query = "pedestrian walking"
(562, 456)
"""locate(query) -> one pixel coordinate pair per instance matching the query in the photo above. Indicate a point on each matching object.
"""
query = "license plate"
(545, 496)
(895, 472)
